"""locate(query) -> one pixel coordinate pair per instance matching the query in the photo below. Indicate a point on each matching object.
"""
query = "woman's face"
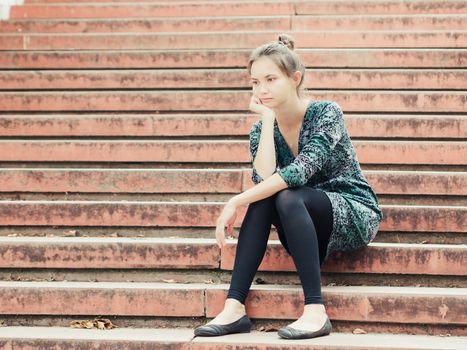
(269, 84)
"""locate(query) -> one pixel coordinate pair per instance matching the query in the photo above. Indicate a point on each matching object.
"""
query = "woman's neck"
(290, 115)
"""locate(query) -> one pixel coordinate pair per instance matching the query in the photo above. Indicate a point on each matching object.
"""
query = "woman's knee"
(265, 204)
(287, 199)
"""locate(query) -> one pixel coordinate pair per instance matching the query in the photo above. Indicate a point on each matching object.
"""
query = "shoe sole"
(208, 334)
(238, 326)
(325, 330)
(301, 336)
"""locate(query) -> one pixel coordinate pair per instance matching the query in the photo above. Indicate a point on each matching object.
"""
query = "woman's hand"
(257, 106)
(226, 218)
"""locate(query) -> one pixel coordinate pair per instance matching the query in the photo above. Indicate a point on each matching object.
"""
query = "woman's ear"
(297, 77)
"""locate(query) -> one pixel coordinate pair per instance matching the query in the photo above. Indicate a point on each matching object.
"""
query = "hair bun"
(287, 40)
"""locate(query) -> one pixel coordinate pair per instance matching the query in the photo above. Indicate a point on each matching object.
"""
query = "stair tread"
(189, 240)
(358, 290)
(255, 339)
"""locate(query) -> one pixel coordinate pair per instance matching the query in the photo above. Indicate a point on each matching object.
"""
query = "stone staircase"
(124, 129)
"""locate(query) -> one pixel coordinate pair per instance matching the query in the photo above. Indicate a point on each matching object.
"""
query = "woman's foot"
(233, 310)
(313, 318)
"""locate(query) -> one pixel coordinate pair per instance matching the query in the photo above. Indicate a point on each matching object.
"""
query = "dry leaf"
(358, 331)
(209, 281)
(272, 329)
(72, 233)
(169, 281)
(99, 323)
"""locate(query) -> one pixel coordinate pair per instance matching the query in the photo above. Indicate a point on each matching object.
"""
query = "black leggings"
(303, 219)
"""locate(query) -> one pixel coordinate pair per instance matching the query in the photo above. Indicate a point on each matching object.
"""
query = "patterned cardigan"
(327, 161)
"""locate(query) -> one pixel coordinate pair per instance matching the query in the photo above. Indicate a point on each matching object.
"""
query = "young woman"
(309, 185)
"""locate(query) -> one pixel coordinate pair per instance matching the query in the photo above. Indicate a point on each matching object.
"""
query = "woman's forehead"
(263, 69)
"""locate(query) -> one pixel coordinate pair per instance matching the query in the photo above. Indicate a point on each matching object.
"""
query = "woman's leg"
(251, 246)
(306, 222)
(322, 233)
(253, 238)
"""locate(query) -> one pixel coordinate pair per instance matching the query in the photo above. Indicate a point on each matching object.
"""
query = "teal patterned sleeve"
(255, 133)
(329, 130)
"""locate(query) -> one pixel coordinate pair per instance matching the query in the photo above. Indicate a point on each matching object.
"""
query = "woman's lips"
(266, 99)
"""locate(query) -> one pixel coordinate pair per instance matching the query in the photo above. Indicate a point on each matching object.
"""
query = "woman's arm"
(263, 150)
(265, 188)
(263, 153)
(315, 153)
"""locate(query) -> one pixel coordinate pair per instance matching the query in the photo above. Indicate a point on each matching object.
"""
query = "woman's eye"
(254, 83)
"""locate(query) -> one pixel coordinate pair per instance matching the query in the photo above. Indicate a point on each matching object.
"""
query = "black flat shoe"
(292, 333)
(242, 325)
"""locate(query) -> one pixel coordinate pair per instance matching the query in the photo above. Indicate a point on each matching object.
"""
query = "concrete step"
(359, 125)
(372, 22)
(186, 253)
(405, 305)
(234, 40)
(77, 2)
(220, 58)
(196, 232)
(223, 151)
(417, 101)
(411, 273)
(439, 79)
(66, 338)
(217, 24)
(173, 24)
(390, 288)
(128, 10)
(106, 10)
(49, 180)
(199, 214)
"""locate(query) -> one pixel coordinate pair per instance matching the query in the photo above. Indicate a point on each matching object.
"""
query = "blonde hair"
(282, 53)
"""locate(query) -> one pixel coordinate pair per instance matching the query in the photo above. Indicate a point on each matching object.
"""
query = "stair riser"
(323, 39)
(225, 124)
(176, 184)
(72, 254)
(284, 23)
(315, 79)
(231, 151)
(234, 9)
(275, 304)
(396, 218)
(329, 57)
(197, 101)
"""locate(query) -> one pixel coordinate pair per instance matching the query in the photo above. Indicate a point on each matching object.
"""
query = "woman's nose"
(263, 88)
